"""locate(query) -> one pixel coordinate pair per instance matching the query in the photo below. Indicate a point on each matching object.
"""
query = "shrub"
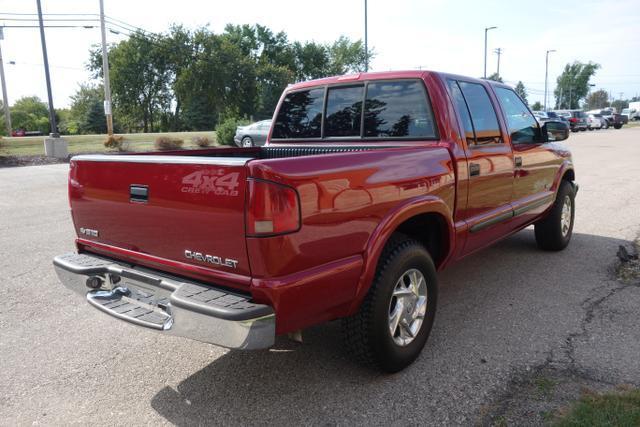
(227, 129)
(114, 141)
(201, 141)
(165, 143)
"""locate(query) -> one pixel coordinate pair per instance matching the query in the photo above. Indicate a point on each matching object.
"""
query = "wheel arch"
(427, 219)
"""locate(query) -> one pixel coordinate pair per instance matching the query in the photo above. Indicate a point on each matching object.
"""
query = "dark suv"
(577, 120)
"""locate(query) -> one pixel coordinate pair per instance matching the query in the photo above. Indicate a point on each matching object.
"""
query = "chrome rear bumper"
(168, 304)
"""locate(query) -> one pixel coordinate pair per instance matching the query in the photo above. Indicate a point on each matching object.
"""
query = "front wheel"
(247, 141)
(395, 319)
(553, 233)
(617, 126)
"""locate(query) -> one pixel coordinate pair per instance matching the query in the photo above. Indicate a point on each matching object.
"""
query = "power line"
(50, 26)
(48, 19)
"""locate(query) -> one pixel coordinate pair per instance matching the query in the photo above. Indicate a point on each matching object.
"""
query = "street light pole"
(546, 75)
(366, 46)
(105, 73)
(498, 51)
(5, 98)
(485, 49)
(52, 113)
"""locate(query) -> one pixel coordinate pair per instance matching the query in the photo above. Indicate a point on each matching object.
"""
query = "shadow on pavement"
(500, 310)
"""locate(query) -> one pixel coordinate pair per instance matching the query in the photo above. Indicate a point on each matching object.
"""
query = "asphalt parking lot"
(503, 312)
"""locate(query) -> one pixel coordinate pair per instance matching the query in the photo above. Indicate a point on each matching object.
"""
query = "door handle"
(139, 193)
(518, 161)
(474, 169)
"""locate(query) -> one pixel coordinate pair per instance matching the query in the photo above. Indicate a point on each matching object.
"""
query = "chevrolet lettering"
(212, 259)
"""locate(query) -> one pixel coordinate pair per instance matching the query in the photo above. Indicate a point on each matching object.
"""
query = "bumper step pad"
(133, 305)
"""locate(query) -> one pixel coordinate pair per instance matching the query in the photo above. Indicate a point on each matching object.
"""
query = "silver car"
(252, 135)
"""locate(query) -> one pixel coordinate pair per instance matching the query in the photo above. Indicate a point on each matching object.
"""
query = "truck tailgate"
(166, 209)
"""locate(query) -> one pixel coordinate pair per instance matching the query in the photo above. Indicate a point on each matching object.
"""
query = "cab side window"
(523, 127)
(483, 115)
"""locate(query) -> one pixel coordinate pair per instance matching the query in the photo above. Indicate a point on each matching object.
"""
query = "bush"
(201, 141)
(227, 129)
(165, 143)
(114, 141)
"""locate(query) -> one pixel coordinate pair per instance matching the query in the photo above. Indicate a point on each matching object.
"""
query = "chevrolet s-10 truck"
(367, 186)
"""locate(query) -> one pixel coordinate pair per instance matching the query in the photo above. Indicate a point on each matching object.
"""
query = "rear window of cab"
(377, 109)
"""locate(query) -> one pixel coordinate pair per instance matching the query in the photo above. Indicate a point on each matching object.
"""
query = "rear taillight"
(271, 208)
(573, 120)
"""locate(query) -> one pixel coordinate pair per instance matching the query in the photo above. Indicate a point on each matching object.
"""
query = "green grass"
(34, 146)
(611, 409)
(545, 386)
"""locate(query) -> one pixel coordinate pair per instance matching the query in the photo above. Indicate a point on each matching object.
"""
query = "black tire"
(367, 334)
(617, 126)
(590, 128)
(247, 142)
(550, 233)
(606, 124)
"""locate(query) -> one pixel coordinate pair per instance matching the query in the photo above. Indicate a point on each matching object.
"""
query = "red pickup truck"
(368, 185)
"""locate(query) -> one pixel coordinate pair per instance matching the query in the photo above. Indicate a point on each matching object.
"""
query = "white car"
(540, 116)
(595, 121)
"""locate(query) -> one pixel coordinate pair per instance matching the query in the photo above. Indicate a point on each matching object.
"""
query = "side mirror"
(553, 130)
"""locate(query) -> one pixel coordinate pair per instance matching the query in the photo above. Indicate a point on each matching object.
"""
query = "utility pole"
(485, 49)
(546, 75)
(52, 114)
(5, 98)
(560, 103)
(366, 46)
(498, 51)
(105, 72)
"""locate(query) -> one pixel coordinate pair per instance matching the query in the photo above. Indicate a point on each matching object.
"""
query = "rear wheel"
(553, 233)
(395, 319)
(617, 126)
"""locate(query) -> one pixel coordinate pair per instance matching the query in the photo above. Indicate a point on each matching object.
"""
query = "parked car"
(252, 135)
(595, 121)
(22, 132)
(540, 116)
(628, 113)
(634, 111)
(611, 117)
(577, 119)
(552, 115)
(346, 213)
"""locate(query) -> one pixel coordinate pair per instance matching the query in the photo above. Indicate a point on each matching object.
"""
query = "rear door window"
(397, 109)
(483, 115)
(344, 111)
(300, 115)
(461, 106)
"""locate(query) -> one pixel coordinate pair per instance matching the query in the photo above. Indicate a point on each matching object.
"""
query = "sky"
(405, 34)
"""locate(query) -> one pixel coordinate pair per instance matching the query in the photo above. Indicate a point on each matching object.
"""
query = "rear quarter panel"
(344, 197)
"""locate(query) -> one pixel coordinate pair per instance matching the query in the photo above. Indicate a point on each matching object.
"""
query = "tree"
(521, 91)
(620, 104)
(30, 113)
(139, 79)
(537, 106)
(87, 110)
(598, 99)
(495, 77)
(190, 80)
(573, 84)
